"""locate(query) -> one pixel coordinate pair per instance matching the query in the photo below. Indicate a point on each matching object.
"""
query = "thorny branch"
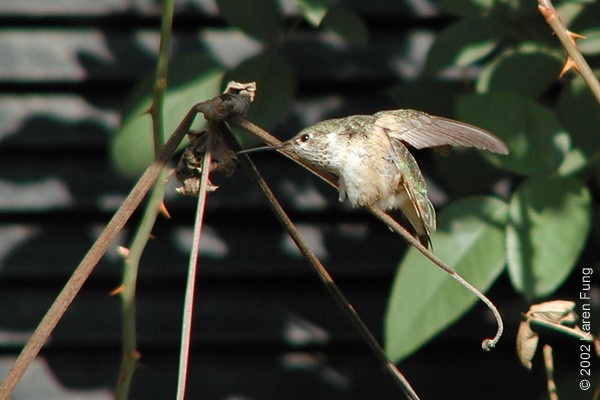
(567, 38)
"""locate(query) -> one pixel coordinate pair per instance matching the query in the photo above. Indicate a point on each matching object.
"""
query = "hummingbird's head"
(317, 144)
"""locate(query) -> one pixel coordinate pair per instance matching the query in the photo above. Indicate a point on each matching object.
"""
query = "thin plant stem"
(162, 69)
(321, 271)
(188, 307)
(130, 354)
(549, 367)
(487, 344)
(87, 265)
(567, 39)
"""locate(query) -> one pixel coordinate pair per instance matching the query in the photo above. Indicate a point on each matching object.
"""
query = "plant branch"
(321, 271)
(85, 268)
(188, 307)
(487, 344)
(130, 354)
(567, 39)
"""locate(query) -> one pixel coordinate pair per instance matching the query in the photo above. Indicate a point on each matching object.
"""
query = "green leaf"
(424, 299)
(578, 111)
(466, 173)
(276, 86)
(528, 70)
(549, 221)
(192, 79)
(537, 142)
(347, 25)
(261, 19)
(314, 10)
(464, 43)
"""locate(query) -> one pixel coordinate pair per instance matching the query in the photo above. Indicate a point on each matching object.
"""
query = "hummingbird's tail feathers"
(422, 130)
(425, 240)
(419, 212)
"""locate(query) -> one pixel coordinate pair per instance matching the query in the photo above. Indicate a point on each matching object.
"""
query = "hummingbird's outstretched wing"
(422, 130)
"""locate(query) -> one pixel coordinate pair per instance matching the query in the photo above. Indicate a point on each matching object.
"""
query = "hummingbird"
(370, 157)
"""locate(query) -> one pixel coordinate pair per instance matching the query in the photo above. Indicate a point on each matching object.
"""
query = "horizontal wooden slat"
(56, 121)
(87, 182)
(73, 121)
(95, 8)
(286, 312)
(232, 247)
(82, 8)
(76, 55)
(92, 185)
(292, 313)
(348, 373)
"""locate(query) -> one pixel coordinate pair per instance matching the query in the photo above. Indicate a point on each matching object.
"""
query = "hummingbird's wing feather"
(422, 130)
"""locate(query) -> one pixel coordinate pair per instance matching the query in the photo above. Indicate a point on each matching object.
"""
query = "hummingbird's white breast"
(369, 175)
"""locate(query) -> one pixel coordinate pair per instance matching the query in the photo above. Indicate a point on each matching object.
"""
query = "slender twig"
(487, 344)
(321, 271)
(130, 354)
(188, 307)
(549, 367)
(160, 80)
(85, 268)
(567, 39)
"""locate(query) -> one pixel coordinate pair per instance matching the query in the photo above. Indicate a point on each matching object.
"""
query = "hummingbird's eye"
(305, 137)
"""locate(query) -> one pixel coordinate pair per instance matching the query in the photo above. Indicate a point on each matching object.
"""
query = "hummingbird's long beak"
(264, 148)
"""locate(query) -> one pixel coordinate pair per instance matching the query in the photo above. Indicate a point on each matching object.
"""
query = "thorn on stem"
(573, 36)
(569, 64)
(162, 209)
(123, 251)
(547, 12)
(149, 110)
(118, 290)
